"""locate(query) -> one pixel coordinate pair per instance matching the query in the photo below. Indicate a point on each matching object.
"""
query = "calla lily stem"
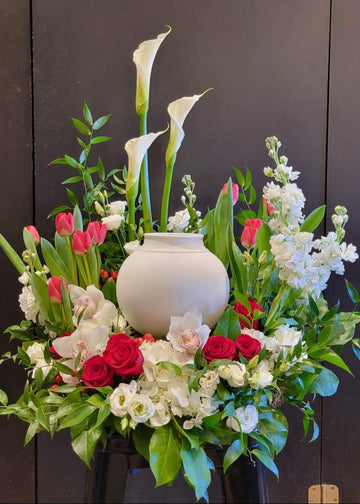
(131, 217)
(166, 194)
(144, 180)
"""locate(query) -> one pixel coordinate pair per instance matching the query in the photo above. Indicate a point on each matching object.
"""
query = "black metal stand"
(120, 475)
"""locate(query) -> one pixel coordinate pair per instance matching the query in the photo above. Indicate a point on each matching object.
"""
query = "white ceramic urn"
(170, 274)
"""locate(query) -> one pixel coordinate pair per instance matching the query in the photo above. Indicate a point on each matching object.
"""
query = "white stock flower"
(288, 201)
(88, 339)
(143, 58)
(92, 305)
(136, 149)
(121, 397)
(234, 374)
(178, 111)
(141, 408)
(209, 382)
(283, 172)
(187, 334)
(180, 221)
(117, 207)
(24, 278)
(248, 418)
(28, 304)
(131, 247)
(113, 222)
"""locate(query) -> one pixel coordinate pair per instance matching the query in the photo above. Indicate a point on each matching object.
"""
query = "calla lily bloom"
(136, 149)
(178, 111)
(143, 58)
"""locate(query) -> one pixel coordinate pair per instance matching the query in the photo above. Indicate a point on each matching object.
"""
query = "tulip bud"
(54, 289)
(81, 242)
(248, 236)
(97, 232)
(235, 192)
(64, 224)
(34, 233)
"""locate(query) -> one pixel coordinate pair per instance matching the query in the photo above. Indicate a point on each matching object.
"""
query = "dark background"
(283, 67)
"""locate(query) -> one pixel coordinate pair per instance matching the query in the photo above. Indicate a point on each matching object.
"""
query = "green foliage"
(164, 450)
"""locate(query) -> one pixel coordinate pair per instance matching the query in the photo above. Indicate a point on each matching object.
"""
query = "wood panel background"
(269, 65)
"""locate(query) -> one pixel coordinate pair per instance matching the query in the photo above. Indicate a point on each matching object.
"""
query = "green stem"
(131, 217)
(87, 269)
(144, 180)
(72, 261)
(166, 194)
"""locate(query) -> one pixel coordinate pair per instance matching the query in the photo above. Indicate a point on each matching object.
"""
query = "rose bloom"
(248, 236)
(123, 355)
(219, 347)
(97, 373)
(240, 308)
(247, 346)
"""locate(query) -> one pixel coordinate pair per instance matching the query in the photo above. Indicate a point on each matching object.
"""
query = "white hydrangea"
(180, 221)
(247, 418)
(28, 304)
(209, 382)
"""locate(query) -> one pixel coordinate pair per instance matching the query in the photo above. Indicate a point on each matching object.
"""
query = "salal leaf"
(313, 220)
(353, 293)
(266, 460)
(78, 415)
(325, 383)
(196, 469)
(164, 449)
(233, 453)
(228, 324)
(84, 444)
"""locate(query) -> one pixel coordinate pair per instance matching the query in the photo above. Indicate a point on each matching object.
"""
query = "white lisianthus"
(209, 382)
(88, 339)
(117, 207)
(178, 111)
(121, 398)
(36, 355)
(187, 334)
(131, 247)
(92, 305)
(287, 336)
(141, 408)
(261, 377)
(136, 149)
(234, 374)
(180, 221)
(248, 418)
(28, 304)
(143, 58)
(113, 222)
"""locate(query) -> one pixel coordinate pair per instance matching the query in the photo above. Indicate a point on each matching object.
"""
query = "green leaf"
(12, 255)
(58, 161)
(72, 197)
(101, 121)
(109, 291)
(80, 126)
(58, 209)
(356, 347)
(72, 180)
(40, 290)
(84, 444)
(72, 162)
(99, 139)
(313, 220)
(170, 366)
(263, 238)
(104, 413)
(164, 450)
(252, 196)
(273, 426)
(78, 415)
(353, 293)
(223, 215)
(266, 460)
(54, 262)
(325, 384)
(228, 325)
(101, 168)
(141, 437)
(3, 398)
(78, 222)
(196, 469)
(30, 433)
(328, 355)
(248, 179)
(239, 177)
(25, 359)
(233, 453)
(87, 114)
(63, 368)
(315, 432)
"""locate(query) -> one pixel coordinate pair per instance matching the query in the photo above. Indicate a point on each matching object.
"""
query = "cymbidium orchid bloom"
(187, 333)
(136, 149)
(143, 58)
(91, 306)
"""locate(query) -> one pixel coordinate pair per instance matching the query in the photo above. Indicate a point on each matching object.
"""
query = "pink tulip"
(248, 236)
(81, 242)
(97, 232)
(34, 233)
(269, 207)
(54, 289)
(235, 192)
(64, 224)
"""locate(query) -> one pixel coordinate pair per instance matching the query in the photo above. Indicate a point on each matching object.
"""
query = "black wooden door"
(269, 65)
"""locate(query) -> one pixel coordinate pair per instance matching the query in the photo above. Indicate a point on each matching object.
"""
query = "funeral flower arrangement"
(90, 371)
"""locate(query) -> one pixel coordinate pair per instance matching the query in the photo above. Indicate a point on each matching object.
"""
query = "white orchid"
(143, 58)
(88, 339)
(92, 305)
(178, 111)
(136, 149)
(187, 333)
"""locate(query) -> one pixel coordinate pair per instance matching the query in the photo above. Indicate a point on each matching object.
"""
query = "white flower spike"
(143, 57)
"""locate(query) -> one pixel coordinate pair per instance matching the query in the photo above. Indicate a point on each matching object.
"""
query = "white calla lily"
(136, 149)
(178, 111)
(143, 58)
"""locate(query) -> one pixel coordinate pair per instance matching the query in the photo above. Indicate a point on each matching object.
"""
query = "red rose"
(240, 308)
(247, 346)
(219, 347)
(123, 355)
(97, 373)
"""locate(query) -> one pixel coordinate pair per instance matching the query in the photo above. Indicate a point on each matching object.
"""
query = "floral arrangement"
(89, 371)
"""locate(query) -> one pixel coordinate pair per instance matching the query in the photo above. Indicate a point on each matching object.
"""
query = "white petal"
(192, 319)
(76, 292)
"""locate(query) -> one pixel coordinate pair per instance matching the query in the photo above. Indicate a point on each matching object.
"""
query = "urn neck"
(173, 242)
